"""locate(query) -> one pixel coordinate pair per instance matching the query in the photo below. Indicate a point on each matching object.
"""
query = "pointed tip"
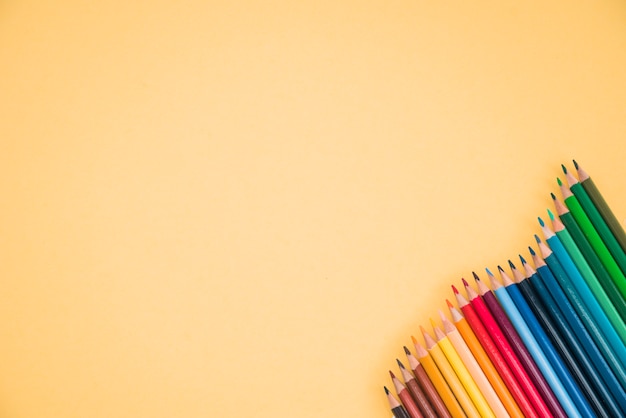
(532, 252)
(400, 365)
(537, 239)
(464, 282)
(423, 329)
(511, 265)
(553, 196)
(455, 290)
(551, 215)
(564, 168)
(541, 221)
(393, 376)
(475, 276)
(413, 339)
(521, 259)
(432, 322)
(559, 182)
(575, 164)
(386, 390)
(450, 305)
(406, 350)
(500, 269)
(489, 273)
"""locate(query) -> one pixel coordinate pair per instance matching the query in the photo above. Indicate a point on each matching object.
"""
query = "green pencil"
(594, 258)
(599, 202)
(611, 311)
(596, 220)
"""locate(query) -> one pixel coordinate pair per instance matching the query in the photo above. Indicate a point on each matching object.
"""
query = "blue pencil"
(614, 354)
(552, 290)
(564, 340)
(535, 350)
(511, 299)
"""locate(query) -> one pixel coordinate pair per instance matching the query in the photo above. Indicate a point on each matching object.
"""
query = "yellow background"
(229, 209)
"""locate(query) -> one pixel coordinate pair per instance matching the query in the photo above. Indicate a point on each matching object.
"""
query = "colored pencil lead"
(400, 363)
(551, 215)
(511, 265)
(575, 164)
(553, 196)
(537, 239)
(386, 390)
(406, 350)
(532, 252)
(450, 305)
(521, 260)
(393, 376)
(455, 290)
(541, 221)
(464, 282)
(564, 169)
(488, 271)
(559, 182)
(475, 276)
(413, 339)
(500, 269)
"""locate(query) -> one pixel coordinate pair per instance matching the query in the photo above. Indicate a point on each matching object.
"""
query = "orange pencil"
(485, 363)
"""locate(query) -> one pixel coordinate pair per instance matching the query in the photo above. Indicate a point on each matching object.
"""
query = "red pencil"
(494, 354)
(405, 397)
(507, 352)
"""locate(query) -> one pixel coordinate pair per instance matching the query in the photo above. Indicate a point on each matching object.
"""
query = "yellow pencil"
(473, 368)
(438, 380)
(463, 373)
(448, 373)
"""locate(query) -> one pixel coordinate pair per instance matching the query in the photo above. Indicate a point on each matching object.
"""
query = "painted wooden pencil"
(510, 344)
(553, 356)
(479, 353)
(542, 302)
(405, 397)
(517, 390)
(396, 407)
(567, 311)
(427, 386)
(599, 202)
(532, 345)
(450, 375)
(416, 392)
(436, 377)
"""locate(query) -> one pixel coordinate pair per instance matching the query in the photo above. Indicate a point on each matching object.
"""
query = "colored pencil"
(445, 392)
(567, 311)
(533, 347)
(547, 311)
(416, 392)
(396, 408)
(518, 351)
(449, 373)
(594, 239)
(517, 390)
(473, 367)
(596, 220)
(616, 293)
(405, 397)
(610, 305)
(462, 373)
(599, 202)
(581, 288)
(609, 344)
(514, 296)
(427, 386)
(479, 353)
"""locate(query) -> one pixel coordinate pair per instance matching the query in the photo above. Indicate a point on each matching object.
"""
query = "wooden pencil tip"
(406, 350)
(489, 273)
(464, 282)
(540, 221)
(575, 164)
(559, 182)
(450, 305)
(537, 239)
(455, 290)
(551, 215)
(511, 265)
(564, 168)
(553, 196)
(532, 252)
(475, 275)
(386, 390)
(393, 376)
(400, 365)
(500, 269)
(413, 339)
(521, 259)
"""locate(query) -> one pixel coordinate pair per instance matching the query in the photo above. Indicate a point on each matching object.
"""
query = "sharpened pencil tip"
(511, 265)
(450, 305)
(406, 350)
(400, 365)
(553, 196)
(521, 259)
(386, 390)
(532, 252)
(537, 239)
(413, 339)
(464, 282)
(559, 182)
(475, 275)
(575, 164)
(393, 376)
(551, 215)
(564, 168)
(455, 290)
(541, 221)
(489, 273)
(500, 269)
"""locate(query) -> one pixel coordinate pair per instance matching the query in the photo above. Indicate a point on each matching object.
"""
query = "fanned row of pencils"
(542, 341)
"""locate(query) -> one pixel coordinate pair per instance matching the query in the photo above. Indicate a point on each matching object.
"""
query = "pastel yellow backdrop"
(225, 209)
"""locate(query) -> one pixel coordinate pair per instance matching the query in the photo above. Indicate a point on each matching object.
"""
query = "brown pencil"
(427, 386)
(405, 397)
(416, 391)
